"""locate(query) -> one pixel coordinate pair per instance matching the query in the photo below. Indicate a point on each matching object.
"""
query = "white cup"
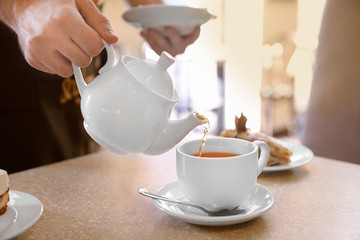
(222, 182)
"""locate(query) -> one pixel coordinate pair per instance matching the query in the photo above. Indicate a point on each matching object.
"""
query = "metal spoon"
(225, 212)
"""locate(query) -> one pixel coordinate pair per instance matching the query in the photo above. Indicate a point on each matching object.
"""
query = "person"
(332, 122)
(40, 118)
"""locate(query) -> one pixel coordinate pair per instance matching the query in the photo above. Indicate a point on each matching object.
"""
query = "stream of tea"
(206, 127)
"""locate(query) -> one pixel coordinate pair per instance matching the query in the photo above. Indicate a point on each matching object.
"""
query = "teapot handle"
(111, 61)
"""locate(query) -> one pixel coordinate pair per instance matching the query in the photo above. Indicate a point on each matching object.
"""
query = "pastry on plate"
(279, 154)
(4, 191)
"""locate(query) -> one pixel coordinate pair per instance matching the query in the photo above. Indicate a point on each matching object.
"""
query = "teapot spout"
(173, 133)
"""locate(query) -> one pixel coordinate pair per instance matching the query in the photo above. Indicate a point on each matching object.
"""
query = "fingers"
(191, 38)
(86, 44)
(59, 44)
(64, 69)
(37, 64)
(62, 33)
(157, 41)
(172, 43)
(95, 19)
(51, 62)
(55, 61)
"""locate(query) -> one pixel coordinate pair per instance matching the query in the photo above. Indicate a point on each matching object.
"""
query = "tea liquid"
(206, 127)
(216, 154)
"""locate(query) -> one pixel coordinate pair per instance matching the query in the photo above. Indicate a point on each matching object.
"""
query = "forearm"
(135, 3)
(7, 10)
(13, 12)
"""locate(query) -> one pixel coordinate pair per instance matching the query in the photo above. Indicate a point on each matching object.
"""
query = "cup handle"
(111, 61)
(264, 155)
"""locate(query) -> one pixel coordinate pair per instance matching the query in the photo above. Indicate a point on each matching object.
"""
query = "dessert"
(4, 191)
(279, 154)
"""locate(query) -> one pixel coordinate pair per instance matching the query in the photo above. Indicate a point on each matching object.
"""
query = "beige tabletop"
(95, 197)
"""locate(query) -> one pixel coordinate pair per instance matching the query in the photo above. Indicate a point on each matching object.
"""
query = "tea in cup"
(225, 175)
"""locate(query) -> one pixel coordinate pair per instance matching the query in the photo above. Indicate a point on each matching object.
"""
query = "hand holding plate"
(172, 42)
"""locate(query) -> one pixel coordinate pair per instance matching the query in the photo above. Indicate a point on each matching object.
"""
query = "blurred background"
(255, 58)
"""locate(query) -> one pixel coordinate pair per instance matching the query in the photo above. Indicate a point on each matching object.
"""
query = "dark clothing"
(40, 119)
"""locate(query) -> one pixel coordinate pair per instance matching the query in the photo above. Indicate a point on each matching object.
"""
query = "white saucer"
(263, 201)
(156, 16)
(301, 156)
(22, 212)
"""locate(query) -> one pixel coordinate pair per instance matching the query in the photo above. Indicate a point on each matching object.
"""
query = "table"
(95, 197)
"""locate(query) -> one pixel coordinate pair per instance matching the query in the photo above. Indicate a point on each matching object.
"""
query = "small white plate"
(301, 156)
(22, 212)
(182, 18)
(263, 201)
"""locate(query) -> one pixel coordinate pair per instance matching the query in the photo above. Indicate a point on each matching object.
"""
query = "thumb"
(96, 20)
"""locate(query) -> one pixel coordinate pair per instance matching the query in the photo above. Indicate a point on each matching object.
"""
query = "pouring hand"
(53, 34)
(172, 43)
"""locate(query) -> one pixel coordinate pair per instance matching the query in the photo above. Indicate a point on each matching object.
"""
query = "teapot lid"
(153, 74)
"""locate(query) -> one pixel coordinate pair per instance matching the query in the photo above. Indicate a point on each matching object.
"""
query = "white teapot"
(126, 108)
